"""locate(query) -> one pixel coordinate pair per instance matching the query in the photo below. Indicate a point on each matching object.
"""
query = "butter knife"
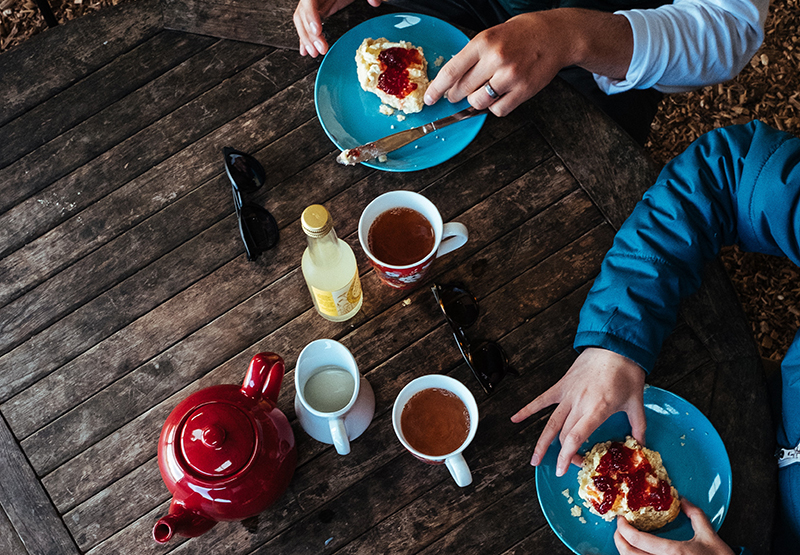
(378, 148)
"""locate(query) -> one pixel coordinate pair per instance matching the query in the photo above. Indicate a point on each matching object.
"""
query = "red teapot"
(226, 452)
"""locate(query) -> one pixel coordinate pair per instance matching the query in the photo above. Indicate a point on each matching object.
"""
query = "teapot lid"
(217, 439)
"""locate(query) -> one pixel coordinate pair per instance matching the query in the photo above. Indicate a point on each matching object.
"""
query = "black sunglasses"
(258, 228)
(489, 363)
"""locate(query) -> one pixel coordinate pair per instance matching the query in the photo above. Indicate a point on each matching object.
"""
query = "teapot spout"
(181, 520)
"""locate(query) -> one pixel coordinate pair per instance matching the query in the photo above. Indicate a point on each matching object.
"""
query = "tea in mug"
(329, 389)
(400, 237)
(435, 422)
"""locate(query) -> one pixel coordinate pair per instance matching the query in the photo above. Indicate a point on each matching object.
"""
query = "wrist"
(599, 42)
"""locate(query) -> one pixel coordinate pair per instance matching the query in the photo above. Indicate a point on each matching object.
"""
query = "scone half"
(395, 71)
(629, 480)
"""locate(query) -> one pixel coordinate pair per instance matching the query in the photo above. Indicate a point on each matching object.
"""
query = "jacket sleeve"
(737, 185)
(690, 44)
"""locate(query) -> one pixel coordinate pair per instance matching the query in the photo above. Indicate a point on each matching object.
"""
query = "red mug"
(447, 237)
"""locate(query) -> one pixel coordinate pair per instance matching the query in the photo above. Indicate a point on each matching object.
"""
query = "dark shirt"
(516, 7)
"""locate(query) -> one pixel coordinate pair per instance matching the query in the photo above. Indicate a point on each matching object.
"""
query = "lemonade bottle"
(329, 267)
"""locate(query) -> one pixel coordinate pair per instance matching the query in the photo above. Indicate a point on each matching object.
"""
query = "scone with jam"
(629, 480)
(395, 71)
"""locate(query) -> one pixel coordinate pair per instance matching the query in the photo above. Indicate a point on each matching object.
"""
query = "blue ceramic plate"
(350, 116)
(693, 455)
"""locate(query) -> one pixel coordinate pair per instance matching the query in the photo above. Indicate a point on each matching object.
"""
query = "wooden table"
(124, 287)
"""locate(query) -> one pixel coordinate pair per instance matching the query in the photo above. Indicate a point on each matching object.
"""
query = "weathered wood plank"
(542, 540)
(137, 493)
(292, 242)
(716, 316)
(137, 538)
(98, 90)
(387, 382)
(381, 381)
(740, 384)
(286, 201)
(153, 103)
(348, 478)
(501, 525)
(51, 61)
(144, 337)
(26, 505)
(198, 251)
(718, 319)
(9, 540)
(603, 158)
(93, 228)
(568, 206)
(382, 493)
(369, 354)
(248, 20)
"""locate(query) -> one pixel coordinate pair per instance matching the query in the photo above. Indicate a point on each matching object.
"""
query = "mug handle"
(339, 435)
(459, 470)
(454, 235)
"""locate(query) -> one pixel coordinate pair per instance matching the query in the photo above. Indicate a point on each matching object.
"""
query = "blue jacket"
(737, 185)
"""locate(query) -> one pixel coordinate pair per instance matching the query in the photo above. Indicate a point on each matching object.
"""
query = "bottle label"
(340, 302)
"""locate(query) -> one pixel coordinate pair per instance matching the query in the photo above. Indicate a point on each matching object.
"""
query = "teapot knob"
(213, 436)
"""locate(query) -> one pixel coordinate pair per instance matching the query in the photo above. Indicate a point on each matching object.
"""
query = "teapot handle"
(264, 377)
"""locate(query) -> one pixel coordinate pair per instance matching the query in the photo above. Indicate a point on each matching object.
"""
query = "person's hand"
(631, 541)
(308, 18)
(519, 57)
(598, 384)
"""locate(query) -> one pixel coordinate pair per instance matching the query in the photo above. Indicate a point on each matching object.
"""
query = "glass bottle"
(329, 267)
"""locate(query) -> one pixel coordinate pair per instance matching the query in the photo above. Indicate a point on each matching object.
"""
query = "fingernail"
(535, 460)
(559, 471)
(318, 44)
(428, 100)
(314, 28)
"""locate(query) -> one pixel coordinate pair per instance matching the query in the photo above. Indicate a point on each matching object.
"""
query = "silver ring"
(490, 91)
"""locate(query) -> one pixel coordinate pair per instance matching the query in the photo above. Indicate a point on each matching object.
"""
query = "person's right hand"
(308, 18)
(631, 541)
(598, 384)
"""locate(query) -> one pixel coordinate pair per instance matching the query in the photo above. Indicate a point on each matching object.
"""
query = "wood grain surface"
(124, 288)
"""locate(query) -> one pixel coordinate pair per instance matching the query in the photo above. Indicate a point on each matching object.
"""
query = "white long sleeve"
(690, 44)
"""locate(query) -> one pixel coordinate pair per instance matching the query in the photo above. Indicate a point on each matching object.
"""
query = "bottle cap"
(316, 221)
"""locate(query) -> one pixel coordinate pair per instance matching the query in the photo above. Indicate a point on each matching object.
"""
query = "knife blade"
(363, 153)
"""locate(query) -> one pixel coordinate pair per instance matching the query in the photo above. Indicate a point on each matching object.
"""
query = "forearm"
(599, 42)
(737, 185)
(690, 44)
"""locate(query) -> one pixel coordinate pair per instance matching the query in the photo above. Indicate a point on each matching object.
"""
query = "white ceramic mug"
(334, 403)
(454, 461)
(447, 237)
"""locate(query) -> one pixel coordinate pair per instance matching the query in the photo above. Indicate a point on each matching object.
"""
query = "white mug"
(454, 461)
(334, 403)
(447, 237)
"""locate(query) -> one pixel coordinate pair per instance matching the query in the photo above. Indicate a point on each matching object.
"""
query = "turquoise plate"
(350, 116)
(693, 455)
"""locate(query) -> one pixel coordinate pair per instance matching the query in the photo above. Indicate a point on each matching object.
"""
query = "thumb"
(700, 523)
(638, 422)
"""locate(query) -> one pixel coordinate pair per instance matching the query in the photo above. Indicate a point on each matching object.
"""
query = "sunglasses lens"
(460, 305)
(258, 228)
(491, 362)
(244, 170)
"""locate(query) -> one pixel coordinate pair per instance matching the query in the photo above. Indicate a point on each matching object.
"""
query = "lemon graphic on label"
(354, 293)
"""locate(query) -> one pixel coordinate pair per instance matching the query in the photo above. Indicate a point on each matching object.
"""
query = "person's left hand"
(521, 56)
(631, 541)
(308, 18)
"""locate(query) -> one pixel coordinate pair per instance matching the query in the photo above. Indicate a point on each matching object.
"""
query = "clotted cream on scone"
(629, 480)
(395, 71)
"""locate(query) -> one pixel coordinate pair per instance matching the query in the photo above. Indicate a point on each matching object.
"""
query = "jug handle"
(264, 377)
